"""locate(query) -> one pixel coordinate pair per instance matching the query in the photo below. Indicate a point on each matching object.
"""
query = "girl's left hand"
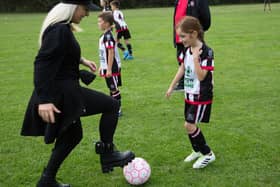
(90, 64)
(168, 93)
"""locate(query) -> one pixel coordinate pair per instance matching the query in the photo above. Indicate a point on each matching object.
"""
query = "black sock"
(129, 48)
(121, 46)
(194, 146)
(198, 140)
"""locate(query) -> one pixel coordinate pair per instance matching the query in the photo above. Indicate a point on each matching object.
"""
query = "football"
(137, 172)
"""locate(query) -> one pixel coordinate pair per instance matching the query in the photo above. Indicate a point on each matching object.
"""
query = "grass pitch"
(244, 129)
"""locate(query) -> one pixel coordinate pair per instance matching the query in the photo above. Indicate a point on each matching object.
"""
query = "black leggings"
(64, 144)
(95, 103)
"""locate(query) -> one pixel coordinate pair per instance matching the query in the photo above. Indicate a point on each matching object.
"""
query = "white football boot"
(204, 160)
(194, 155)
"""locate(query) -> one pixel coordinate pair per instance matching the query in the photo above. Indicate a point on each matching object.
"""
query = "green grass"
(244, 131)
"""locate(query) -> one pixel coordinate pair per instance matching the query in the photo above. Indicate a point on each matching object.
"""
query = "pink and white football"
(137, 172)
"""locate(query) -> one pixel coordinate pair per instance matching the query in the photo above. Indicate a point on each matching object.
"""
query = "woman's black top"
(56, 80)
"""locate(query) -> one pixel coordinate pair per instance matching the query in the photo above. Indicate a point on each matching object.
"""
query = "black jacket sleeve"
(204, 15)
(48, 61)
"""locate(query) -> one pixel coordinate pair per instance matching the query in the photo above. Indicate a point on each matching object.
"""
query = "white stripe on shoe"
(204, 160)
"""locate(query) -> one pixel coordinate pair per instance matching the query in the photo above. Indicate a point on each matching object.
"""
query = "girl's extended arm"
(178, 76)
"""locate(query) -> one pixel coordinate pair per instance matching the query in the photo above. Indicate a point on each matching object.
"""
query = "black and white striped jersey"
(196, 91)
(119, 21)
(107, 42)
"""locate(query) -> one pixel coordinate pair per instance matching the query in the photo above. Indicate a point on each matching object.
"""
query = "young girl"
(110, 64)
(197, 68)
(122, 30)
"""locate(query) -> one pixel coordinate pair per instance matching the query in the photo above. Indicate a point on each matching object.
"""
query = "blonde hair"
(61, 12)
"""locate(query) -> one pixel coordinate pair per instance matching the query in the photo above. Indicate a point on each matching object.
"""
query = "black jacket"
(56, 80)
(196, 8)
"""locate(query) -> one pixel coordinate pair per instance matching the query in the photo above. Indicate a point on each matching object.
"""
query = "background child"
(105, 4)
(267, 2)
(122, 30)
(197, 68)
(110, 64)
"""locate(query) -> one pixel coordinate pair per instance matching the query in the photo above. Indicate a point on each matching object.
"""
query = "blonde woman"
(58, 101)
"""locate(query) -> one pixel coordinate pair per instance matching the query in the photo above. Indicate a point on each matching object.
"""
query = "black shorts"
(113, 82)
(124, 33)
(197, 113)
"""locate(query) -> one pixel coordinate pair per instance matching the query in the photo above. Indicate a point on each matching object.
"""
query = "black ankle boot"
(110, 158)
(49, 181)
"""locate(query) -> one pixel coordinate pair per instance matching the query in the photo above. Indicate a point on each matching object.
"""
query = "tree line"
(45, 5)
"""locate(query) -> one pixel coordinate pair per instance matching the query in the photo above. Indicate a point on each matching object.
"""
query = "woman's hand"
(90, 64)
(46, 112)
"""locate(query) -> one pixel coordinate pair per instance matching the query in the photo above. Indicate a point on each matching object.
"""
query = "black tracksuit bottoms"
(95, 103)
